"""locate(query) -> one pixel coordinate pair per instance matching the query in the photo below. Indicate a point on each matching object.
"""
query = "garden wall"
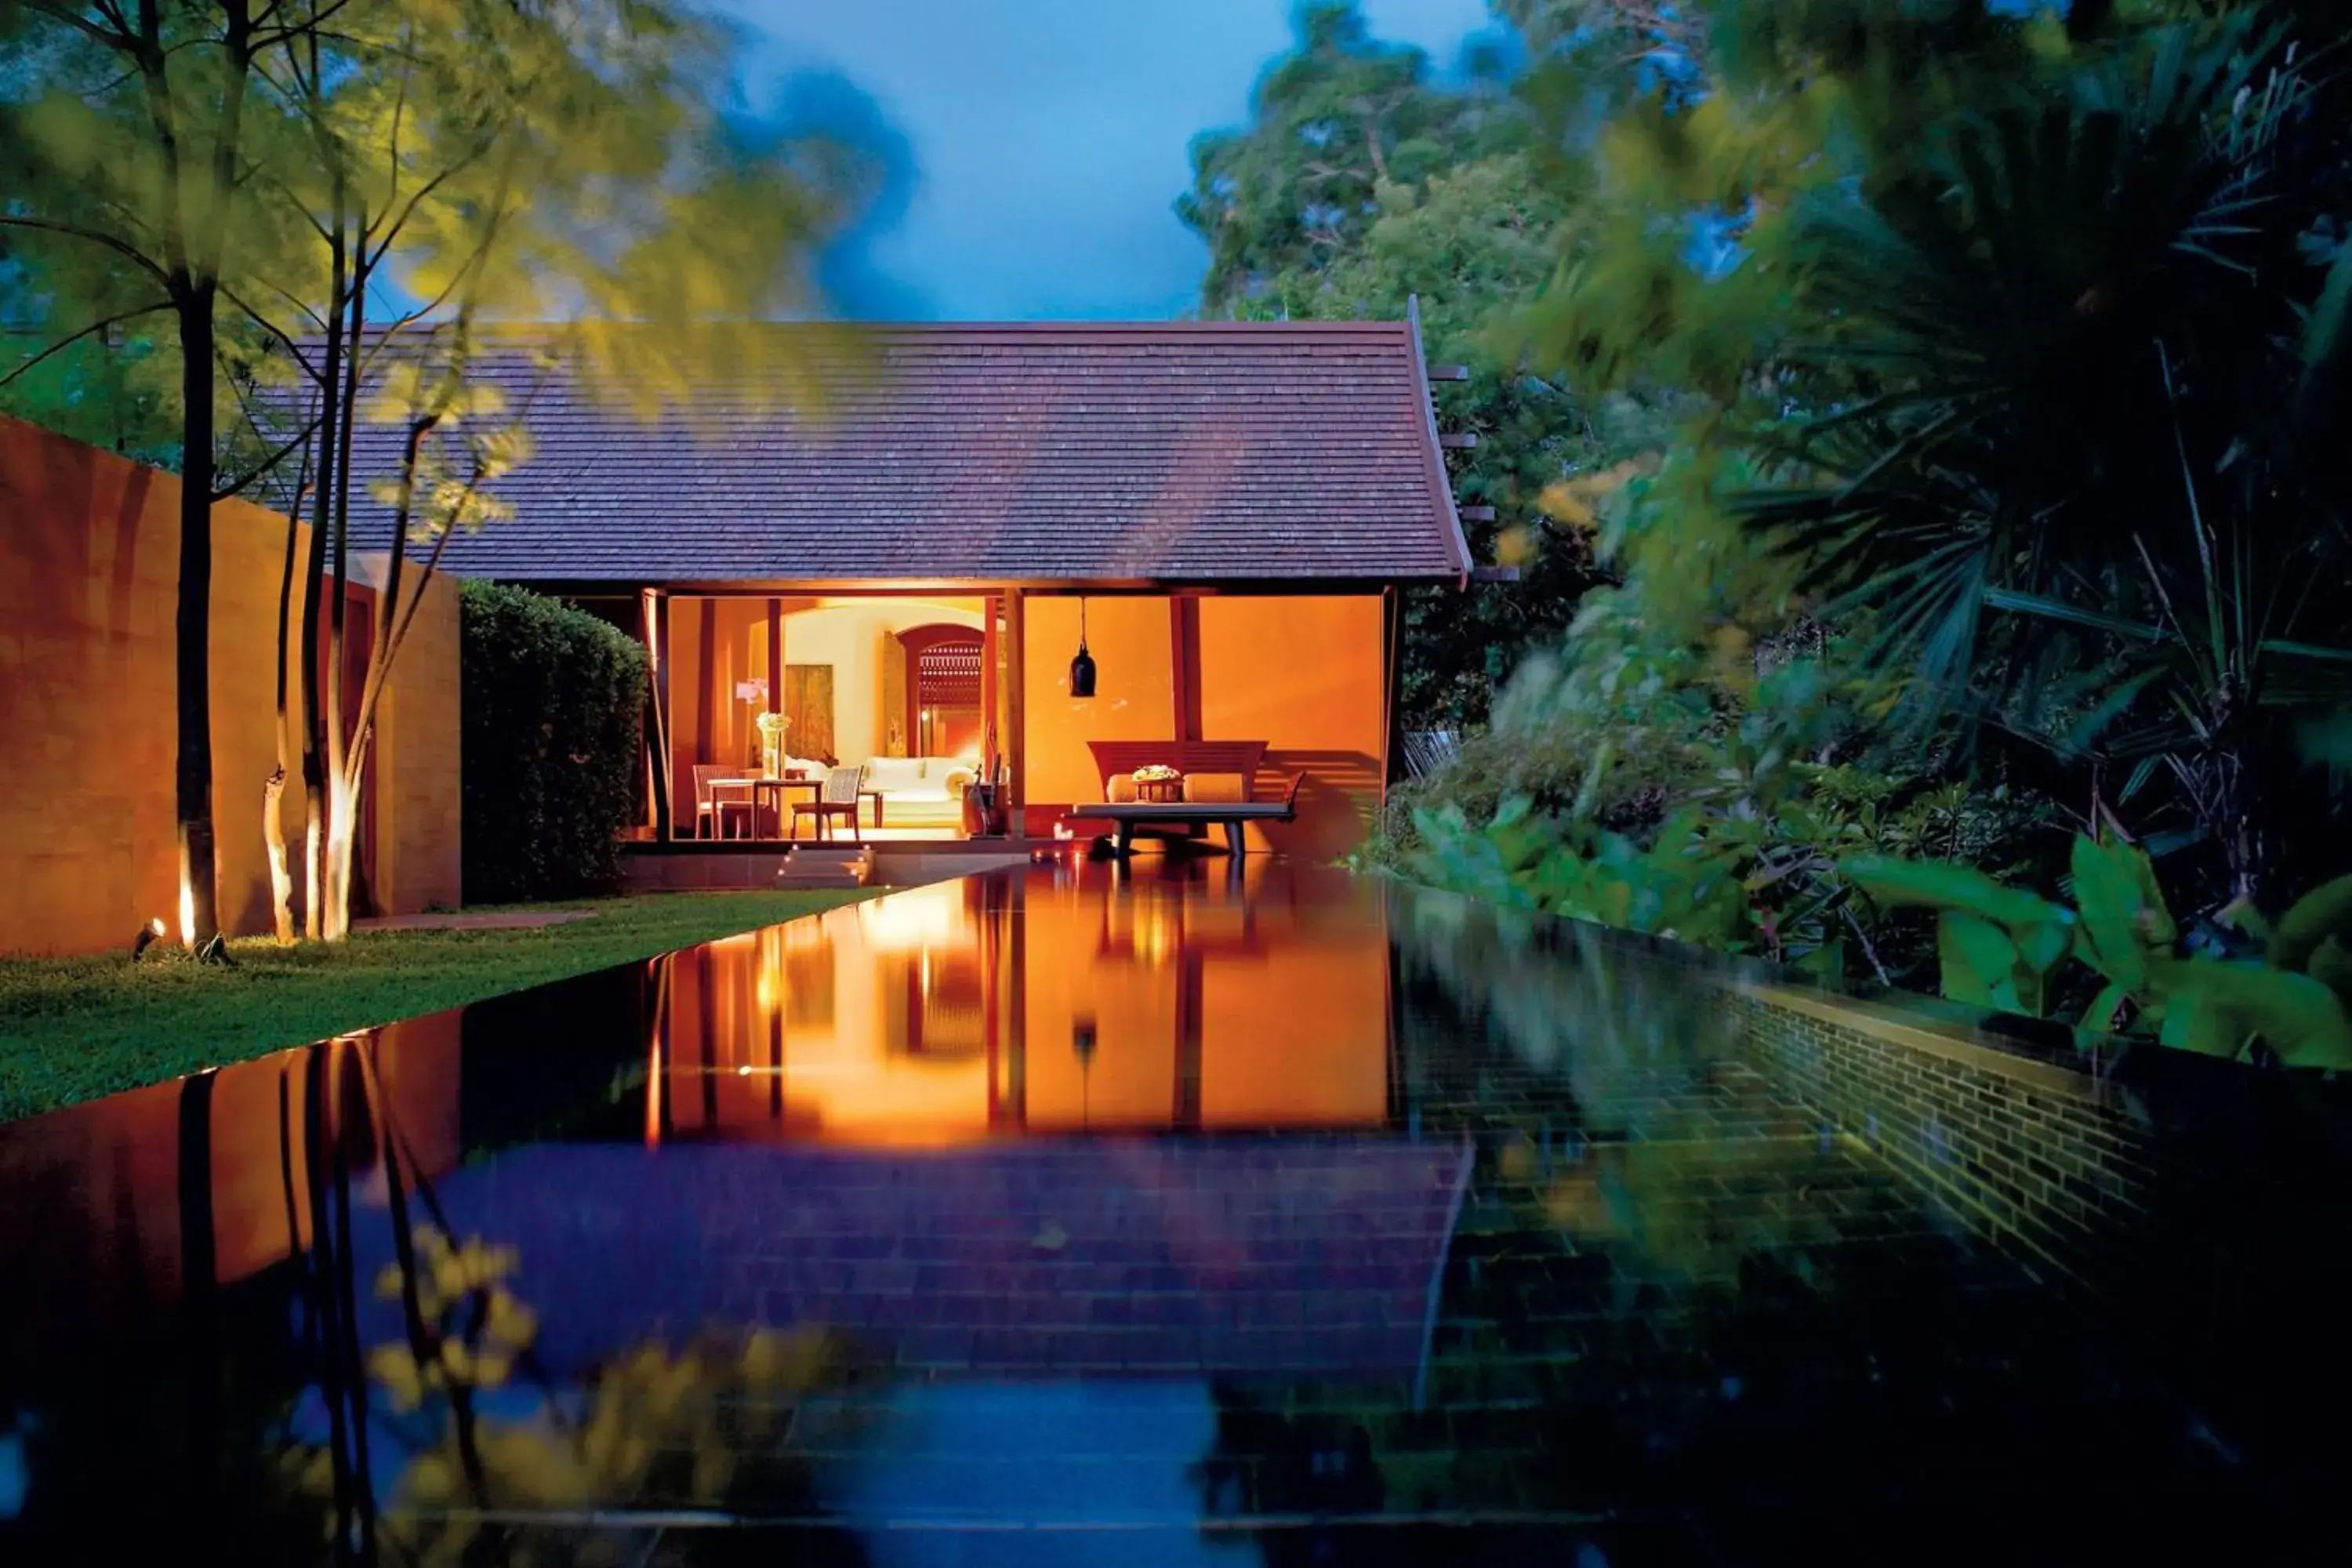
(2043, 1158)
(89, 573)
(2197, 1202)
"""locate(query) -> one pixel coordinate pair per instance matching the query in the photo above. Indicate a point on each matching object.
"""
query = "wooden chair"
(710, 808)
(838, 803)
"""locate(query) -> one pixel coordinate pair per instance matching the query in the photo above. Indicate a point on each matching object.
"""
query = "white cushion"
(916, 778)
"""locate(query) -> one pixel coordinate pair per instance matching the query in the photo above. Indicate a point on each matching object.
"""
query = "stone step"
(827, 866)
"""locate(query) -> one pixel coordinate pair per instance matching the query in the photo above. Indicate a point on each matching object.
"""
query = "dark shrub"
(553, 707)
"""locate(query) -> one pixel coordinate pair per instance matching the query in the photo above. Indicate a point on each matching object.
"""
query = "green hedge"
(554, 709)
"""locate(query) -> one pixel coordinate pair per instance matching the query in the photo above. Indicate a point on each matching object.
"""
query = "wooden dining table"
(754, 785)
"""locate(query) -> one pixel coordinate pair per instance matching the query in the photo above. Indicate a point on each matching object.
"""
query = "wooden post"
(706, 717)
(1184, 663)
(1016, 788)
(991, 651)
(776, 655)
(655, 610)
(1391, 687)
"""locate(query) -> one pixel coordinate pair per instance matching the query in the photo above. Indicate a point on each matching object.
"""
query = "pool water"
(1067, 1215)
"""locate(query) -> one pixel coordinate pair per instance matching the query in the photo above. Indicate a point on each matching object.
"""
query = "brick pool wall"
(2044, 1160)
(2197, 1201)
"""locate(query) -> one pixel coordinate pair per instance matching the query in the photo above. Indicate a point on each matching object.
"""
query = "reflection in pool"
(1041, 1215)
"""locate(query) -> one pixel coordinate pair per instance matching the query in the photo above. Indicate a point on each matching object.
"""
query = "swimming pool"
(1057, 1213)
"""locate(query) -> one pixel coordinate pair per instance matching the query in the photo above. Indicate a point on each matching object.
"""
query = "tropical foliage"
(1998, 504)
(1363, 186)
(2004, 948)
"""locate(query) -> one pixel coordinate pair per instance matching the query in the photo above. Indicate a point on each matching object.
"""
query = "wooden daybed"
(1233, 763)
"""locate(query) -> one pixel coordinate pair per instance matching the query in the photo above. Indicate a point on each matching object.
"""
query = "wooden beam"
(1495, 575)
(1476, 513)
(1460, 440)
(1449, 372)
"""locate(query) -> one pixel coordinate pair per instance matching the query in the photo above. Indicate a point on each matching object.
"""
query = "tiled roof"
(1174, 451)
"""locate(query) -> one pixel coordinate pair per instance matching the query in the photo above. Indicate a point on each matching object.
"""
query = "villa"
(1219, 515)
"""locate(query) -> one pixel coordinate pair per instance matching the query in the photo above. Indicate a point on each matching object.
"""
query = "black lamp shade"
(1082, 673)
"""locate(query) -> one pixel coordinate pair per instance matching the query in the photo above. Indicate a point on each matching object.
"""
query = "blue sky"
(1040, 143)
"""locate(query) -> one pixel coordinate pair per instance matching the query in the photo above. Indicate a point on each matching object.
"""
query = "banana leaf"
(2221, 1009)
(2319, 915)
(2123, 923)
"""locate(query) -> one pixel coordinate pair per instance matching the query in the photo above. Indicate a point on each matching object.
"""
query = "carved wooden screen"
(943, 689)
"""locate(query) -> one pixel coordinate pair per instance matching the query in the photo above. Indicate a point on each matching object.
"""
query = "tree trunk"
(343, 815)
(193, 775)
(273, 835)
(343, 823)
(334, 412)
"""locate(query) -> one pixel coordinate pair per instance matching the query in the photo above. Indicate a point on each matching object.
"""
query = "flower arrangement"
(1158, 781)
(772, 727)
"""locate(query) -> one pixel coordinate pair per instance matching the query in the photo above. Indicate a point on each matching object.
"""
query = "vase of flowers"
(771, 728)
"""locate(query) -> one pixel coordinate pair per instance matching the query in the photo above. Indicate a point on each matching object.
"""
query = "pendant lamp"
(1082, 667)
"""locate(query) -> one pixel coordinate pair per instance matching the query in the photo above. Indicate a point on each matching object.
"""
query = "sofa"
(922, 791)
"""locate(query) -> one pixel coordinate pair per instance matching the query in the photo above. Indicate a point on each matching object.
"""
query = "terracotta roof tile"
(1180, 451)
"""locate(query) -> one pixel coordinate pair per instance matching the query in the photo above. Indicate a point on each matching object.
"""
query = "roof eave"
(786, 586)
(1440, 484)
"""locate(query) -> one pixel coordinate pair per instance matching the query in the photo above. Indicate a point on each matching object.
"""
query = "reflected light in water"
(908, 921)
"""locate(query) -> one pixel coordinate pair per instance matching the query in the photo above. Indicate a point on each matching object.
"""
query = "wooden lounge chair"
(1240, 759)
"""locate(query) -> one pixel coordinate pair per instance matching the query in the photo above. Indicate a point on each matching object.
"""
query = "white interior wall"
(848, 635)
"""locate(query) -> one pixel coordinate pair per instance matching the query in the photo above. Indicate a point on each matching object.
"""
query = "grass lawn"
(74, 1028)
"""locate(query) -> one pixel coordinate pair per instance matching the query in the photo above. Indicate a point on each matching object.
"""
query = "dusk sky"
(1042, 141)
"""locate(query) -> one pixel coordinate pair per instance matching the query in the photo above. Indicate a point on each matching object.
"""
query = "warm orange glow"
(88, 563)
(187, 912)
(156, 925)
(879, 1024)
(1303, 674)
(913, 920)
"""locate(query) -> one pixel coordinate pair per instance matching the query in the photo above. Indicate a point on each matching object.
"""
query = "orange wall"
(417, 760)
(730, 740)
(1304, 673)
(88, 569)
(1135, 689)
